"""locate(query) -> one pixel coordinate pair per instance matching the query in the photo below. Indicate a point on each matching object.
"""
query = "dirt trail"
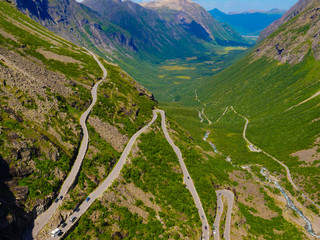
(307, 100)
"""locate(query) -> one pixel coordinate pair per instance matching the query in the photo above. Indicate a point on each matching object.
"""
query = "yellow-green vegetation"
(183, 77)
(176, 68)
(226, 50)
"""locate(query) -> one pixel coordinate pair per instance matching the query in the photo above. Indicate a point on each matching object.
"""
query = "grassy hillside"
(45, 84)
(266, 93)
(149, 199)
(280, 99)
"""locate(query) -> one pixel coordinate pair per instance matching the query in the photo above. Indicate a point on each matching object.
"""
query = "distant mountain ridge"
(272, 11)
(125, 28)
(249, 23)
(196, 20)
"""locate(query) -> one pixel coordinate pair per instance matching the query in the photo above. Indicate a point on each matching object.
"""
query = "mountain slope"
(292, 12)
(137, 38)
(79, 24)
(196, 20)
(45, 84)
(277, 88)
(143, 24)
(248, 23)
(298, 36)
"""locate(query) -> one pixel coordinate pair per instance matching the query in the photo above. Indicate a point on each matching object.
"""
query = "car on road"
(61, 197)
(77, 209)
(87, 199)
(188, 177)
(214, 229)
(55, 232)
(63, 225)
(205, 227)
(73, 219)
(219, 194)
(57, 199)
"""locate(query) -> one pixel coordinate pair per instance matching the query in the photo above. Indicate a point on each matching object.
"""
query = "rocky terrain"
(291, 13)
(297, 35)
(44, 88)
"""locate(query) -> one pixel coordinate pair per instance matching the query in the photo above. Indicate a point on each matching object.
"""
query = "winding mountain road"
(250, 144)
(186, 178)
(230, 196)
(255, 149)
(108, 181)
(44, 218)
(225, 111)
(117, 169)
(202, 111)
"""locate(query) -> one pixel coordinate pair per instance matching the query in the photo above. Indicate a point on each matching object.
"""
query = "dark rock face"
(117, 236)
(197, 30)
(13, 218)
(70, 18)
(38, 9)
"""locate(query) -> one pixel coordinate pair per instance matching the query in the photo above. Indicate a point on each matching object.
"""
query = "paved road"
(43, 219)
(202, 111)
(255, 149)
(116, 171)
(250, 146)
(108, 181)
(200, 116)
(206, 115)
(186, 178)
(225, 111)
(230, 196)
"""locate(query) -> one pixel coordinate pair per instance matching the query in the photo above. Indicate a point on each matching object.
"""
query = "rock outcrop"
(294, 36)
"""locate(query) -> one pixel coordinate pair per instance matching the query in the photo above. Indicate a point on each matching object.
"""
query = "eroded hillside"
(45, 87)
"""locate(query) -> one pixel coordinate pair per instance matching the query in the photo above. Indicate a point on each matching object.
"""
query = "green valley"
(121, 120)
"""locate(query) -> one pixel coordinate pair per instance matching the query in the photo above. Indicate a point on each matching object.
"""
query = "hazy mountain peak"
(194, 18)
(171, 4)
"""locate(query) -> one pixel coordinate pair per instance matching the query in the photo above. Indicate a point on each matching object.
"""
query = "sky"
(241, 5)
